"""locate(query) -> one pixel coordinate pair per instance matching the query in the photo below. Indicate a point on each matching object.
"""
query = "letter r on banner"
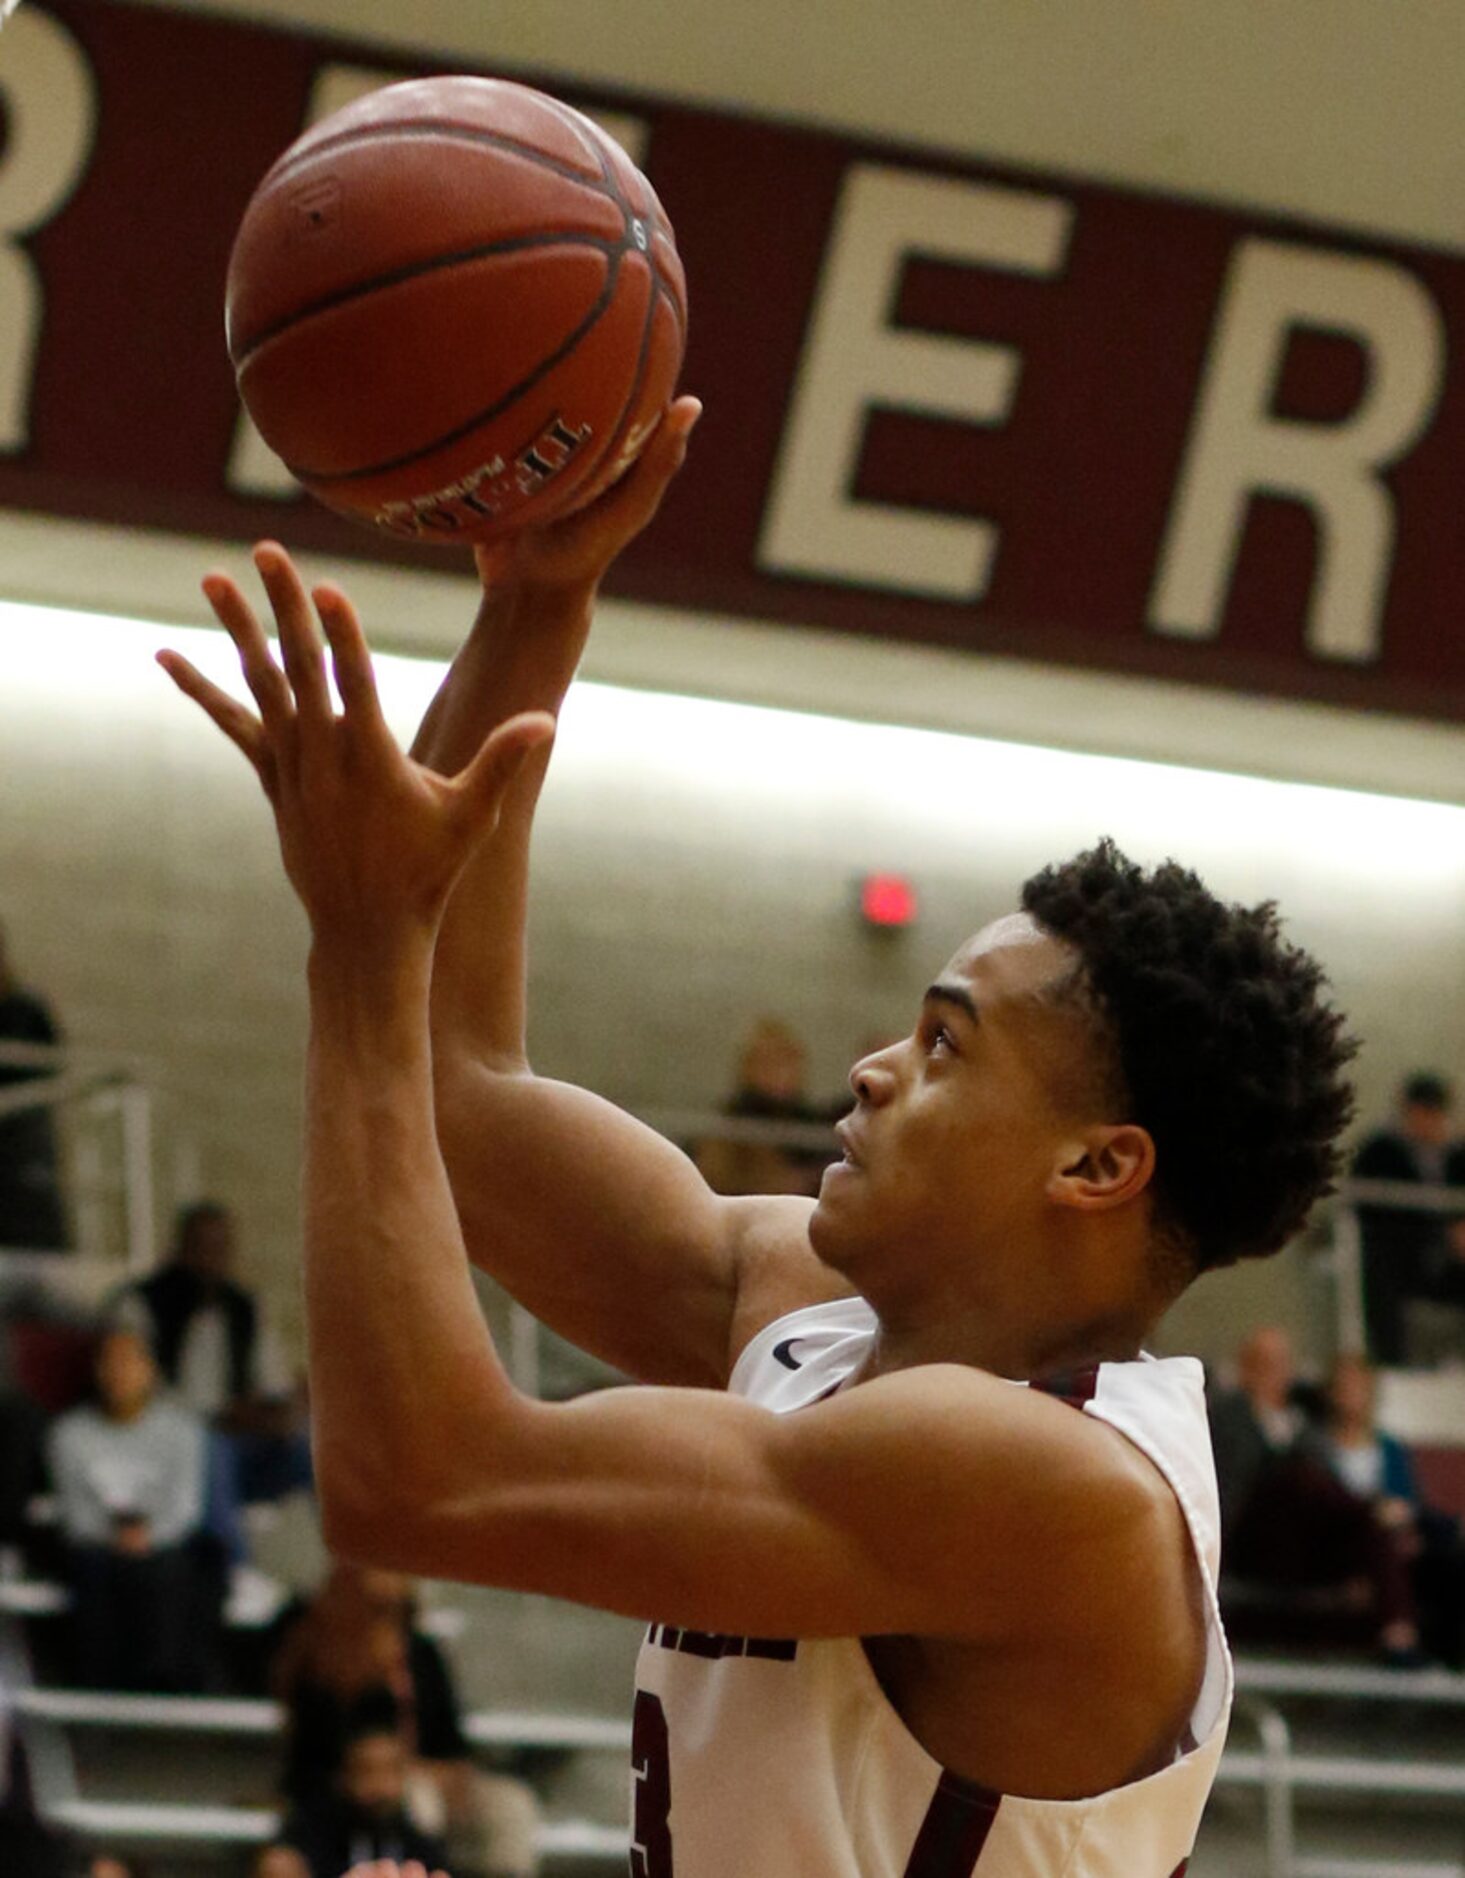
(49, 110)
(854, 359)
(1239, 448)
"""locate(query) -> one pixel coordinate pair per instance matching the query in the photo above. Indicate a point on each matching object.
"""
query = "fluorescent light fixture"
(798, 769)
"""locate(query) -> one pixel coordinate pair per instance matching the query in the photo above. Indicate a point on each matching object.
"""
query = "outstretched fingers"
(350, 660)
(634, 500)
(240, 726)
(482, 786)
(266, 681)
(300, 644)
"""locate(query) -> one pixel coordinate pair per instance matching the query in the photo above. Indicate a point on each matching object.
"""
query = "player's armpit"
(940, 1502)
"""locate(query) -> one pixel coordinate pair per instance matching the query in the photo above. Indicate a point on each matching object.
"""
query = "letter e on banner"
(48, 106)
(1239, 447)
(854, 359)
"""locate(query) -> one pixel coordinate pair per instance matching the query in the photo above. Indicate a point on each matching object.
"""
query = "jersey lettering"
(651, 1806)
(954, 1830)
(713, 1645)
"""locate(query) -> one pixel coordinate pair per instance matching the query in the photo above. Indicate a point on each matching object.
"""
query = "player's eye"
(939, 1040)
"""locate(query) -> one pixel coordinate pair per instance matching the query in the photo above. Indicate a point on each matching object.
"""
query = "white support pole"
(1348, 1279)
(139, 1223)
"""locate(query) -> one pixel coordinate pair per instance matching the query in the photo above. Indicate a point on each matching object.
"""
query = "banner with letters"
(945, 402)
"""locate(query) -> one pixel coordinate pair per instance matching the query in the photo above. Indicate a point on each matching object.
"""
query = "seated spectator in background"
(22, 1449)
(1289, 1525)
(217, 1349)
(364, 1815)
(1379, 1471)
(1410, 1255)
(109, 1865)
(31, 1216)
(354, 1654)
(770, 1087)
(129, 1474)
(278, 1861)
(1256, 1425)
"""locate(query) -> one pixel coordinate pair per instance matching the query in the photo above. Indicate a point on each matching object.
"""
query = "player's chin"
(832, 1224)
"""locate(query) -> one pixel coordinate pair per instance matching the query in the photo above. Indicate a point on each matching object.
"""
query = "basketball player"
(926, 1546)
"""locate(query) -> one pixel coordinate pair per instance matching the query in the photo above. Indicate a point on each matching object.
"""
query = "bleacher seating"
(1285, 1775)
(1281, 1773)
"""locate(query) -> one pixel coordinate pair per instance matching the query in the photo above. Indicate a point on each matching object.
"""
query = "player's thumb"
(483, 785)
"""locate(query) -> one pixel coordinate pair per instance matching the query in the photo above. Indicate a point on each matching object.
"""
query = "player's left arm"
(940, 1501)
(936, 1502)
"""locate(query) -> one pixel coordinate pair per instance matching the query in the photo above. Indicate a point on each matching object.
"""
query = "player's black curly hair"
(1226, 1048)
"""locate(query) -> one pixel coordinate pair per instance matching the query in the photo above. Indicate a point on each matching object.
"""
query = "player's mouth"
(844, 1134)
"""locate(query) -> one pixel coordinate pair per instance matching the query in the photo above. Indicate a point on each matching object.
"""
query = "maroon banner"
(945, 402)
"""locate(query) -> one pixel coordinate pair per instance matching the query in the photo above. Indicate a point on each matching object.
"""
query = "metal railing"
(1345, 1240)
(105, 1112)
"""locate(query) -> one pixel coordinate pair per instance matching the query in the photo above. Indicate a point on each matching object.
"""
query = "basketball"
(455, 309)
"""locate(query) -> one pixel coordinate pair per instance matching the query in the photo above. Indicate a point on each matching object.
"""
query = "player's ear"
(1103, 1167)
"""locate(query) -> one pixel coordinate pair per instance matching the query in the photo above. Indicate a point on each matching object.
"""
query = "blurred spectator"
(129, 1476)
(216, 1347)
(352, 1657)
(771, 1076)
(278, 1861)
(1409, 1255)
(22, 1448)
(365, 1814)
(1255, 1425)
(31, 1216)
(353, 1647)
(1290, 1528)
(1379, 1470)
(30, 1850)
(108, 1865)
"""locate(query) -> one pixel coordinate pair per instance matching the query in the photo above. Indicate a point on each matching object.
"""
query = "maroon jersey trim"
(1074, 1386)
(954, 1830)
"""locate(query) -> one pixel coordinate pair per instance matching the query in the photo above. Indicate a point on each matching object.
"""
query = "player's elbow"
(466, 1071)
(365, 1506)
(366, 1527)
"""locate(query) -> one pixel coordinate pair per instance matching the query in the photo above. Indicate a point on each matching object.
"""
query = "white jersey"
(783, 1757)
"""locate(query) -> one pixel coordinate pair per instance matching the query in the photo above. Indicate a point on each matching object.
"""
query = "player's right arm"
(602, 1228)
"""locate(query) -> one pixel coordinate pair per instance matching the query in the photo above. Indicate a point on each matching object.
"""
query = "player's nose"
(873, 1080)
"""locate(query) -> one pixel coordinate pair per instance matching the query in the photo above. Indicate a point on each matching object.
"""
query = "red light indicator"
(887, 901)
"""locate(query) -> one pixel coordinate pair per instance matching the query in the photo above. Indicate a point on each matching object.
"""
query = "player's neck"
(1020, 1349)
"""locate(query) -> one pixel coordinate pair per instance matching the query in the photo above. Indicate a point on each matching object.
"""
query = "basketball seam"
(643, 354)
(659, 295)
(607, 168)
(525, 384)
(460, 133)
(515, 245)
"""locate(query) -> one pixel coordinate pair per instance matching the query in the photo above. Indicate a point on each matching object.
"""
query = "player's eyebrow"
(954, 994)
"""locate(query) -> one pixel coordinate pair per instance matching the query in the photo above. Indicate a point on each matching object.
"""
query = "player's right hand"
(576, 551)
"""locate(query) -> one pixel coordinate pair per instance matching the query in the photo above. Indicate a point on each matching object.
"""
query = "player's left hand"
(372, 842)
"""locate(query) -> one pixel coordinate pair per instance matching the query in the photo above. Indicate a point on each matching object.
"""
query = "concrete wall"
(695, 868)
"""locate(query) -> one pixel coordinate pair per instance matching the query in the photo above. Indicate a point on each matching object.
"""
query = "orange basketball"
(455, 309)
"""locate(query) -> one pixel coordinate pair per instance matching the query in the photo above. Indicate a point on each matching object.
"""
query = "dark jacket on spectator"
(173, 1295)
(332, 1836)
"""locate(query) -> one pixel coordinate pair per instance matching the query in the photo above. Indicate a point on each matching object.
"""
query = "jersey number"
(651, 1763)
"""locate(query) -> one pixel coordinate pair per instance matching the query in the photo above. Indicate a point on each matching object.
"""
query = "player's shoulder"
(776, 1269)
